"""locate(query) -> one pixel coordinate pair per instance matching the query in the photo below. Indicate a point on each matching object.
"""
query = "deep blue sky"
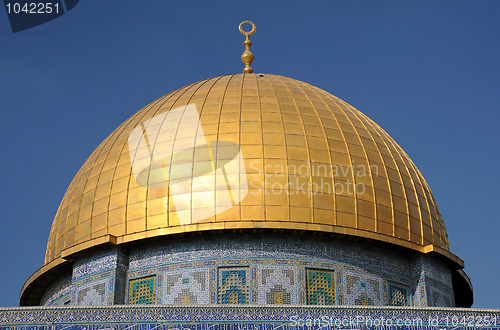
(427, 71)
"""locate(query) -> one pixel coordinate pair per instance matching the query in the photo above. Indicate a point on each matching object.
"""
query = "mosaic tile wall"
(439, 295)
(398, 294)
(429, 276)
(187, 287)
(320, 286)
(59, 293)
(278, 285)
(233, 286)
(439, 298)
(121, 277)
(363, 289)
(262, 271)
(142, 291)
(419, 293)
(95, 278)
(383, 260)
(93, 294)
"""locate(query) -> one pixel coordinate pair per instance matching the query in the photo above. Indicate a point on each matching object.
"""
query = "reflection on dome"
(192, 168)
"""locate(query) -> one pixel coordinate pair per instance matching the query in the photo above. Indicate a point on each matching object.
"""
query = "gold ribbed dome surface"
(247, 151)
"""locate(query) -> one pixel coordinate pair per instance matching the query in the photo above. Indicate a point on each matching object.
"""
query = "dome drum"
(266, 269)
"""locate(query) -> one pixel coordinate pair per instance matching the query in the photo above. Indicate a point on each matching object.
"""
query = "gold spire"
(247, 56)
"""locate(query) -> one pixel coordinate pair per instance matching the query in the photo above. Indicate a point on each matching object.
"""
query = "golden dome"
(247, 151)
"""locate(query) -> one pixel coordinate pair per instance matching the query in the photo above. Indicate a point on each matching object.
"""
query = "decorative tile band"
(257, 317)
(258, 272)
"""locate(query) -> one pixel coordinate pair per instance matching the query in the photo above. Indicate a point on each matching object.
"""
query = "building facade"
(249, 189)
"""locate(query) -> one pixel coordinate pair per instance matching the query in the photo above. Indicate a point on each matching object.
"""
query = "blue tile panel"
(320, 287)
(233, 286)
(142, 291)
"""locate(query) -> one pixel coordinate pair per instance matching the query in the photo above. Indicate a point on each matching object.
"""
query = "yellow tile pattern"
(292, 135)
